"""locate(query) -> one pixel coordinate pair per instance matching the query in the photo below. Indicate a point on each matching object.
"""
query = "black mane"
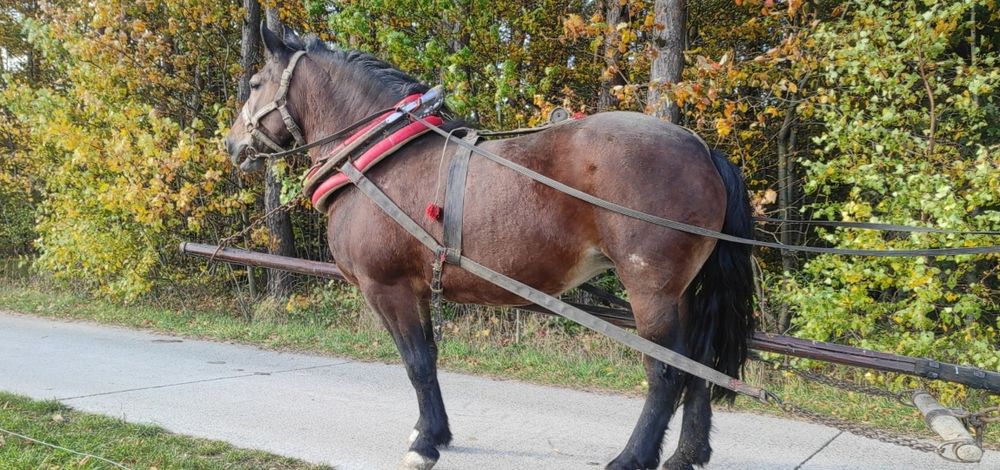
(374, 76)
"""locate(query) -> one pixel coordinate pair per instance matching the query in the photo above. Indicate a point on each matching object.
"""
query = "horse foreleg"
(657, 319)
(408, 320)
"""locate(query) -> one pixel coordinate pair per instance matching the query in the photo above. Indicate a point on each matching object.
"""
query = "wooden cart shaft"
(787, 345)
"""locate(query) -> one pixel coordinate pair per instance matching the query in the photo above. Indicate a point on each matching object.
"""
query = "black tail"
(720, 299)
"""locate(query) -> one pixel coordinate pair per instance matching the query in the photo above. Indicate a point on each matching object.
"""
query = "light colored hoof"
(415, 461)
(413, 437)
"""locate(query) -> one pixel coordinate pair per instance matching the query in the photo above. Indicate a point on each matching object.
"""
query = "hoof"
(415, 461)
(684, 460)
(413, 437)
(674, 463)
(621, 463)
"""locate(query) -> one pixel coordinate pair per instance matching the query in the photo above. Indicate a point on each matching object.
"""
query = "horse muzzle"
(252, 165)
(244, 156)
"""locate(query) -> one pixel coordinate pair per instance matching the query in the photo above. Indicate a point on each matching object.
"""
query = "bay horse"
(689, 293)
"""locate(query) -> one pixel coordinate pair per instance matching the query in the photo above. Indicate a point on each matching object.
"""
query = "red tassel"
(578, 115)
(433, 211)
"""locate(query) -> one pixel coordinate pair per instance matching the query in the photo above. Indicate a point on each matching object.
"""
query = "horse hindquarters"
(720, 320)
(710, 322)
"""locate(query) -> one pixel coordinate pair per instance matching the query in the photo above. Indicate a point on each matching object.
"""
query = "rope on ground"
(82, 454)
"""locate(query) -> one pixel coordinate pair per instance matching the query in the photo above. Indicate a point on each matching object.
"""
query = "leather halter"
(280, 103)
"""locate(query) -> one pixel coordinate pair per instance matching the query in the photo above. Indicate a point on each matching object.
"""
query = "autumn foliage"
(878, 110)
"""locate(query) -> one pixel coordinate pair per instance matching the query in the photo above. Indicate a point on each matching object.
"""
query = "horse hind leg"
(408, 320)
(694, 447)
(658, 320)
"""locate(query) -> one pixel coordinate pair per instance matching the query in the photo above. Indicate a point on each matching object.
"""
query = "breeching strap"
(553, 304)
(693, 229)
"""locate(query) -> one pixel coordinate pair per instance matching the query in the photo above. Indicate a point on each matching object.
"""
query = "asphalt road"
(358, 415)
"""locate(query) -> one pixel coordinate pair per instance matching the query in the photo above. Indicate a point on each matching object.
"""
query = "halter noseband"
(279, 103)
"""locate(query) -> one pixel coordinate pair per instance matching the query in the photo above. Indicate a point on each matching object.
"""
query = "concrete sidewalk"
(358, 415)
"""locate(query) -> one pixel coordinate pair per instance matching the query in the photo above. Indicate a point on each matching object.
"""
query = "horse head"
(297, 98)
(269, 119)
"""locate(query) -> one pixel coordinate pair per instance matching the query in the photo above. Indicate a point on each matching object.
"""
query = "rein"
(280, 103)
(638, 343)
(325, 140)
(875, 226)
(420, 109)
(693, 229)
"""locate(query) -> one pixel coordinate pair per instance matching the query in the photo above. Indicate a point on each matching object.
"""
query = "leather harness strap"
(280, 103)
(454, 199)
(325, 164)
(696, 230)
(875, 226)
(374, 138)
(638, 343)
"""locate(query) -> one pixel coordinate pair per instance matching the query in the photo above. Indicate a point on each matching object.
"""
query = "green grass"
(332, 320)
(132, 445)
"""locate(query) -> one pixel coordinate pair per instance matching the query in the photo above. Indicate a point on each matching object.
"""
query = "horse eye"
(254, 82)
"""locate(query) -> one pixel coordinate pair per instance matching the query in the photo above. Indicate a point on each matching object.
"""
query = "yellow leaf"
(723, 127)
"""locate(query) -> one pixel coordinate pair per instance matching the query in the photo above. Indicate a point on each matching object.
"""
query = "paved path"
(358, 415)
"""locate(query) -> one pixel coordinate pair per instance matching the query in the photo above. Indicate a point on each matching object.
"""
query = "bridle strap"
(280, 103)
(254, 130)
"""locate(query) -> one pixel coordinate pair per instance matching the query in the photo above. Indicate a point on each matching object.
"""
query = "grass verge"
(131, 445)
(476, 340)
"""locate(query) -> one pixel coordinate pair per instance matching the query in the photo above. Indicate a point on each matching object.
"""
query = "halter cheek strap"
(279, 103)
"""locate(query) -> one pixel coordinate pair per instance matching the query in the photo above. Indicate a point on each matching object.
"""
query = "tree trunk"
(458, 40)
(250, 49)
(786, 200)
(787, 182)
(249, 59)
(279, 224)
(606, 100)
(668, 63)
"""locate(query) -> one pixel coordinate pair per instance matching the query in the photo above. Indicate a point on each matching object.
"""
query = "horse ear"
(273, 42)
(292, 39)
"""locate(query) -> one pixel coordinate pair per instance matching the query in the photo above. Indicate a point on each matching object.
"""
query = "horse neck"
(332, 104)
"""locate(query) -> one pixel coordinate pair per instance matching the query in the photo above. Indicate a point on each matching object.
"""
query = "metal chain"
(436, 296)
(860, 429)
(902, 397)
(254, 222)
(977, 421)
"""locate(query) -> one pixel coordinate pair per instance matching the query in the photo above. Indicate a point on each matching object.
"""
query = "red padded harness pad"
(373, 155)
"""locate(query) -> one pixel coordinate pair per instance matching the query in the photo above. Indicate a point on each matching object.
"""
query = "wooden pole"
(797, 347)
(951, 430)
